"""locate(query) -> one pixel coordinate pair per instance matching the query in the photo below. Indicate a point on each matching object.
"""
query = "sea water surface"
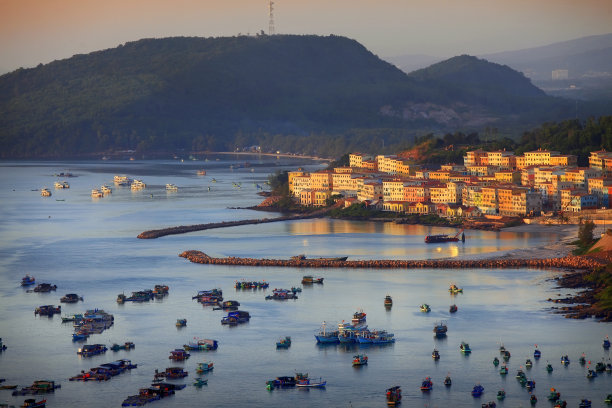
(89, 246)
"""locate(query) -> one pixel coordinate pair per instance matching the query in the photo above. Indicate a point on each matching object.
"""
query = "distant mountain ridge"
(228, 92)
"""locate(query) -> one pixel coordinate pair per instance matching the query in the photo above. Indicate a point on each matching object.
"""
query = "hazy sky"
(40, 31)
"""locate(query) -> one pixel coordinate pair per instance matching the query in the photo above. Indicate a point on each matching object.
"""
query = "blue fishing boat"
(308, 383)
(205, 367)
(537, 353)
(427, 384)
(325, 336)
(606, 343)
(440, 329)
(585, 403)
(236, 317)
(465, 348)
(477, 391)
(435, 354)
(394, 395)
(375, 337)
(28, 280)
(199, 382)
(284, 342)
(565, 360)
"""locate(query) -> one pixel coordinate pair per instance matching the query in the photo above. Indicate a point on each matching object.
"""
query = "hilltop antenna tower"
(271, 15)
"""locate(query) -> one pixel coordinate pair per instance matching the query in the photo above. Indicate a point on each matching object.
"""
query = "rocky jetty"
(568, 262)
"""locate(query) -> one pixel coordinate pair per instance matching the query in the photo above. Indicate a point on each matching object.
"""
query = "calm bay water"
(89, 246)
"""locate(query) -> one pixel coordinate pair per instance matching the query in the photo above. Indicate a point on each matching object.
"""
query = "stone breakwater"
(182, 229)
(568, 262)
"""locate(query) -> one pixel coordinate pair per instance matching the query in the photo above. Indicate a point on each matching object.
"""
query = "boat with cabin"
(128, 345)
(171, 187)
(47, 310)
(45, 192)
(537, 353)
(89, 350)
(61, 185)
(171, 373)
(388, 301)
(448, 381)
(309, 383)
(375, 337)
(309, 279)
(427, 384)
(435, 354)
(465, 348)
(28, 280)
(453, 289)
(44, 288)
(440, 238)
(201, 345)
(137, 185)
(425, 308)
(201, 172)
(179, 355)
(452, 309)
(440, 329)
(359, 360)
(565, 360)
(199, 382)
(205, 367)
(181, 322)
(32, 403)
(325, 336)
(236, 317)
(394, 395)
(606, 343)
(281, 294)
(284, 342)
(477, 391)
(209, 297)
(71, 298)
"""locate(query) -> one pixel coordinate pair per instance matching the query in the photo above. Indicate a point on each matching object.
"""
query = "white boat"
(171, 187)
(106, 190)
(95, 193)
(45, 192)
(61, 184)
(138, 184)
(122, 180)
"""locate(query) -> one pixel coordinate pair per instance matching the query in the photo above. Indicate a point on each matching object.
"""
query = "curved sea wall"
(568, 262)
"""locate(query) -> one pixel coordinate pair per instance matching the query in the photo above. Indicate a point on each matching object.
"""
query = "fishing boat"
(38, 387)
(80, 336)
(284, 342)
(212, 296)
(452, 309)
(495, 361)
(28, 280)
(554, 395)
(89, 350)
(537, 353)
(71, 298)
(606, 343)
(200, 382)
(309, 383)
(179, 355)
(282, 294)
(503, 370)
(455, 289)
(447, 381)
(533, 399)
(388, 301)
(477, 391)
(359, 319)
(582, 359)
(2, 348)
(171, 373)
(465, 348)
(325, 336)
(236, 317)
(137, 185)
(440, 238)
(565, 360)
(201, 172)
(95, 193)
(128, 345)
(507, 355)
(425, 308)
(181, 322)
(591, 374)
(521, 374)
(530, 384)
(375, 337)
(359, 360)
(490, 404)
(435, 354)
(584, 403)
(608, 399)
(122, 180)
(47, 310)
(284, 381)
(45, 192)
(171, 187)
(44, 288)
(104, 189)
(427, 384)
(32, 403)
(205, 367)
(394, 395)
(201, 345)
(501, 394)
(549, 368)
(528, 363)
(560, 404)
(440, 329)
(309, 279)
(161, 290)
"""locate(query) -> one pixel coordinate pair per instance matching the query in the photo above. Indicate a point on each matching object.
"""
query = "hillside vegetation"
(305, 94)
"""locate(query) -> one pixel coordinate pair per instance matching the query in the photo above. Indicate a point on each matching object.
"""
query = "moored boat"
(47, 310)
(465, 348)
(537, 353)
(28, 280)
(284, 342)
(89, 350)
(440, 329)
(172, 373)
(309, 383)
(45, 192)
(199, 382)
(477, 391)
(309, 279)
(606, 343)
(44, 288)
(326, 336)
(95, 193)
(388, 301)
(128, 345)
(448, 381)
(201, 345)
(427, 384)
(565, 360)
(452, 309)
(171, 187)
(394, 395)
(435, 354)
(455, 289)
(32, 403)
(359, 360)
(425, 308)
(104, 189)
(236, 317)
(179, 355)
(71, 298)
(205, 367)
(501, 394)
(181, 322)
